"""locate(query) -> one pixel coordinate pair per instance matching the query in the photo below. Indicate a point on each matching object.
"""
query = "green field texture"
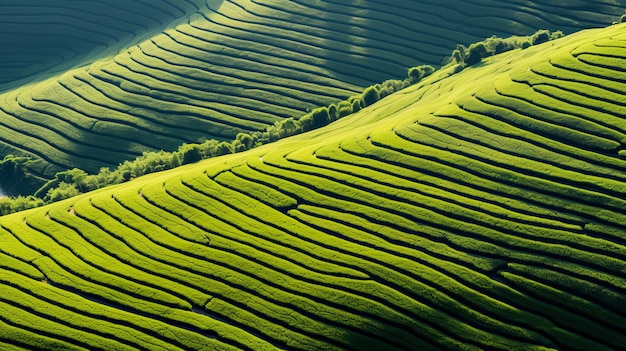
(478, 210)
(213, 69)
(42, 38)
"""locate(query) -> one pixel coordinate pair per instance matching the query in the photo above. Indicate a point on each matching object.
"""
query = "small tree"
(191, 153)
(459, 54)
(321, 117)
(356, 105)
(344, 109)
(288, 127)
(306, 123)
(370, 95)
(476, 53)
(61, 192)
(332, 112)
(223, 148)
(74, 176)
(246, 140)
(542, 36)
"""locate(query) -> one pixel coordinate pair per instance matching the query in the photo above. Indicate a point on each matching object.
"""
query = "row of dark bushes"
(75, 181)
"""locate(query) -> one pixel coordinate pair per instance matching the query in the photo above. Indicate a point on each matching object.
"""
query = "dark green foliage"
(476, 53)
(75, 176)
(356, 105)
(332, 112)
(306, 123)
(384, 91)
(371, 95)
(13, 176)
(243, 142)
(418, 73)
(321, 117)
(468, 56)
(540, 37)
(459, 54)
(190, 153)
(12, 169)
(499, 45)
(223, 148)
(344, 109)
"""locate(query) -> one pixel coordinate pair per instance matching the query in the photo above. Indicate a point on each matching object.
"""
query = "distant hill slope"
(40, 37)
(231, 66)
(479, 211)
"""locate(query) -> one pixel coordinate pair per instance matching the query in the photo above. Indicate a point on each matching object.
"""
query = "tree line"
(72, 182)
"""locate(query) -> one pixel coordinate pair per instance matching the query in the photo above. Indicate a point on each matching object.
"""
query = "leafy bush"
(476, 53)
(191, 153)
(321, 117)
(371, 95)
(62, 191)
(420, 72)
(540, 37)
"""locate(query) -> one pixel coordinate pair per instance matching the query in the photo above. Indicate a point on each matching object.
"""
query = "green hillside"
(224, 67)
(482, 210)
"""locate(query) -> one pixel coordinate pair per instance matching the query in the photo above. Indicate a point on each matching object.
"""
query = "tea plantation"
(479, 210)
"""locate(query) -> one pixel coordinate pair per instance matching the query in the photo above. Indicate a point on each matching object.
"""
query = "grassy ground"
(478, 211)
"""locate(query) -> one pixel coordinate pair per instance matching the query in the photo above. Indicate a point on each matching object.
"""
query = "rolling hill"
(477, 210)
(40, 38)
(210, 69)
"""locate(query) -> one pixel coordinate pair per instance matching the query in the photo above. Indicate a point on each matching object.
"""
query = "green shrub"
(191, 153)
(332, 112)
(420, 72)
(540, 37)
(344, 109)
(246, 140)
(223, 148)
(306, 123)
(321, 117)
(370, 95)
(62, 192)
(476, 53)
(356, 105)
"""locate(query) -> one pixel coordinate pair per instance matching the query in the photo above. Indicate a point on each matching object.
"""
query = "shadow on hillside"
(47, 37)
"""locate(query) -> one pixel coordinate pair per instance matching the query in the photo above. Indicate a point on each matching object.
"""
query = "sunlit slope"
(40, 37)
(481, 211)
(240, 65)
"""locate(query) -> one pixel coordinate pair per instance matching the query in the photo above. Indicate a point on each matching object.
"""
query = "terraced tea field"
(222, 67)
(40, 38)
(447, 216)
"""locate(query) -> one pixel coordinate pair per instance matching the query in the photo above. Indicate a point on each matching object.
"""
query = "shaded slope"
(240, 65)
(479, 211)
(39, 38)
